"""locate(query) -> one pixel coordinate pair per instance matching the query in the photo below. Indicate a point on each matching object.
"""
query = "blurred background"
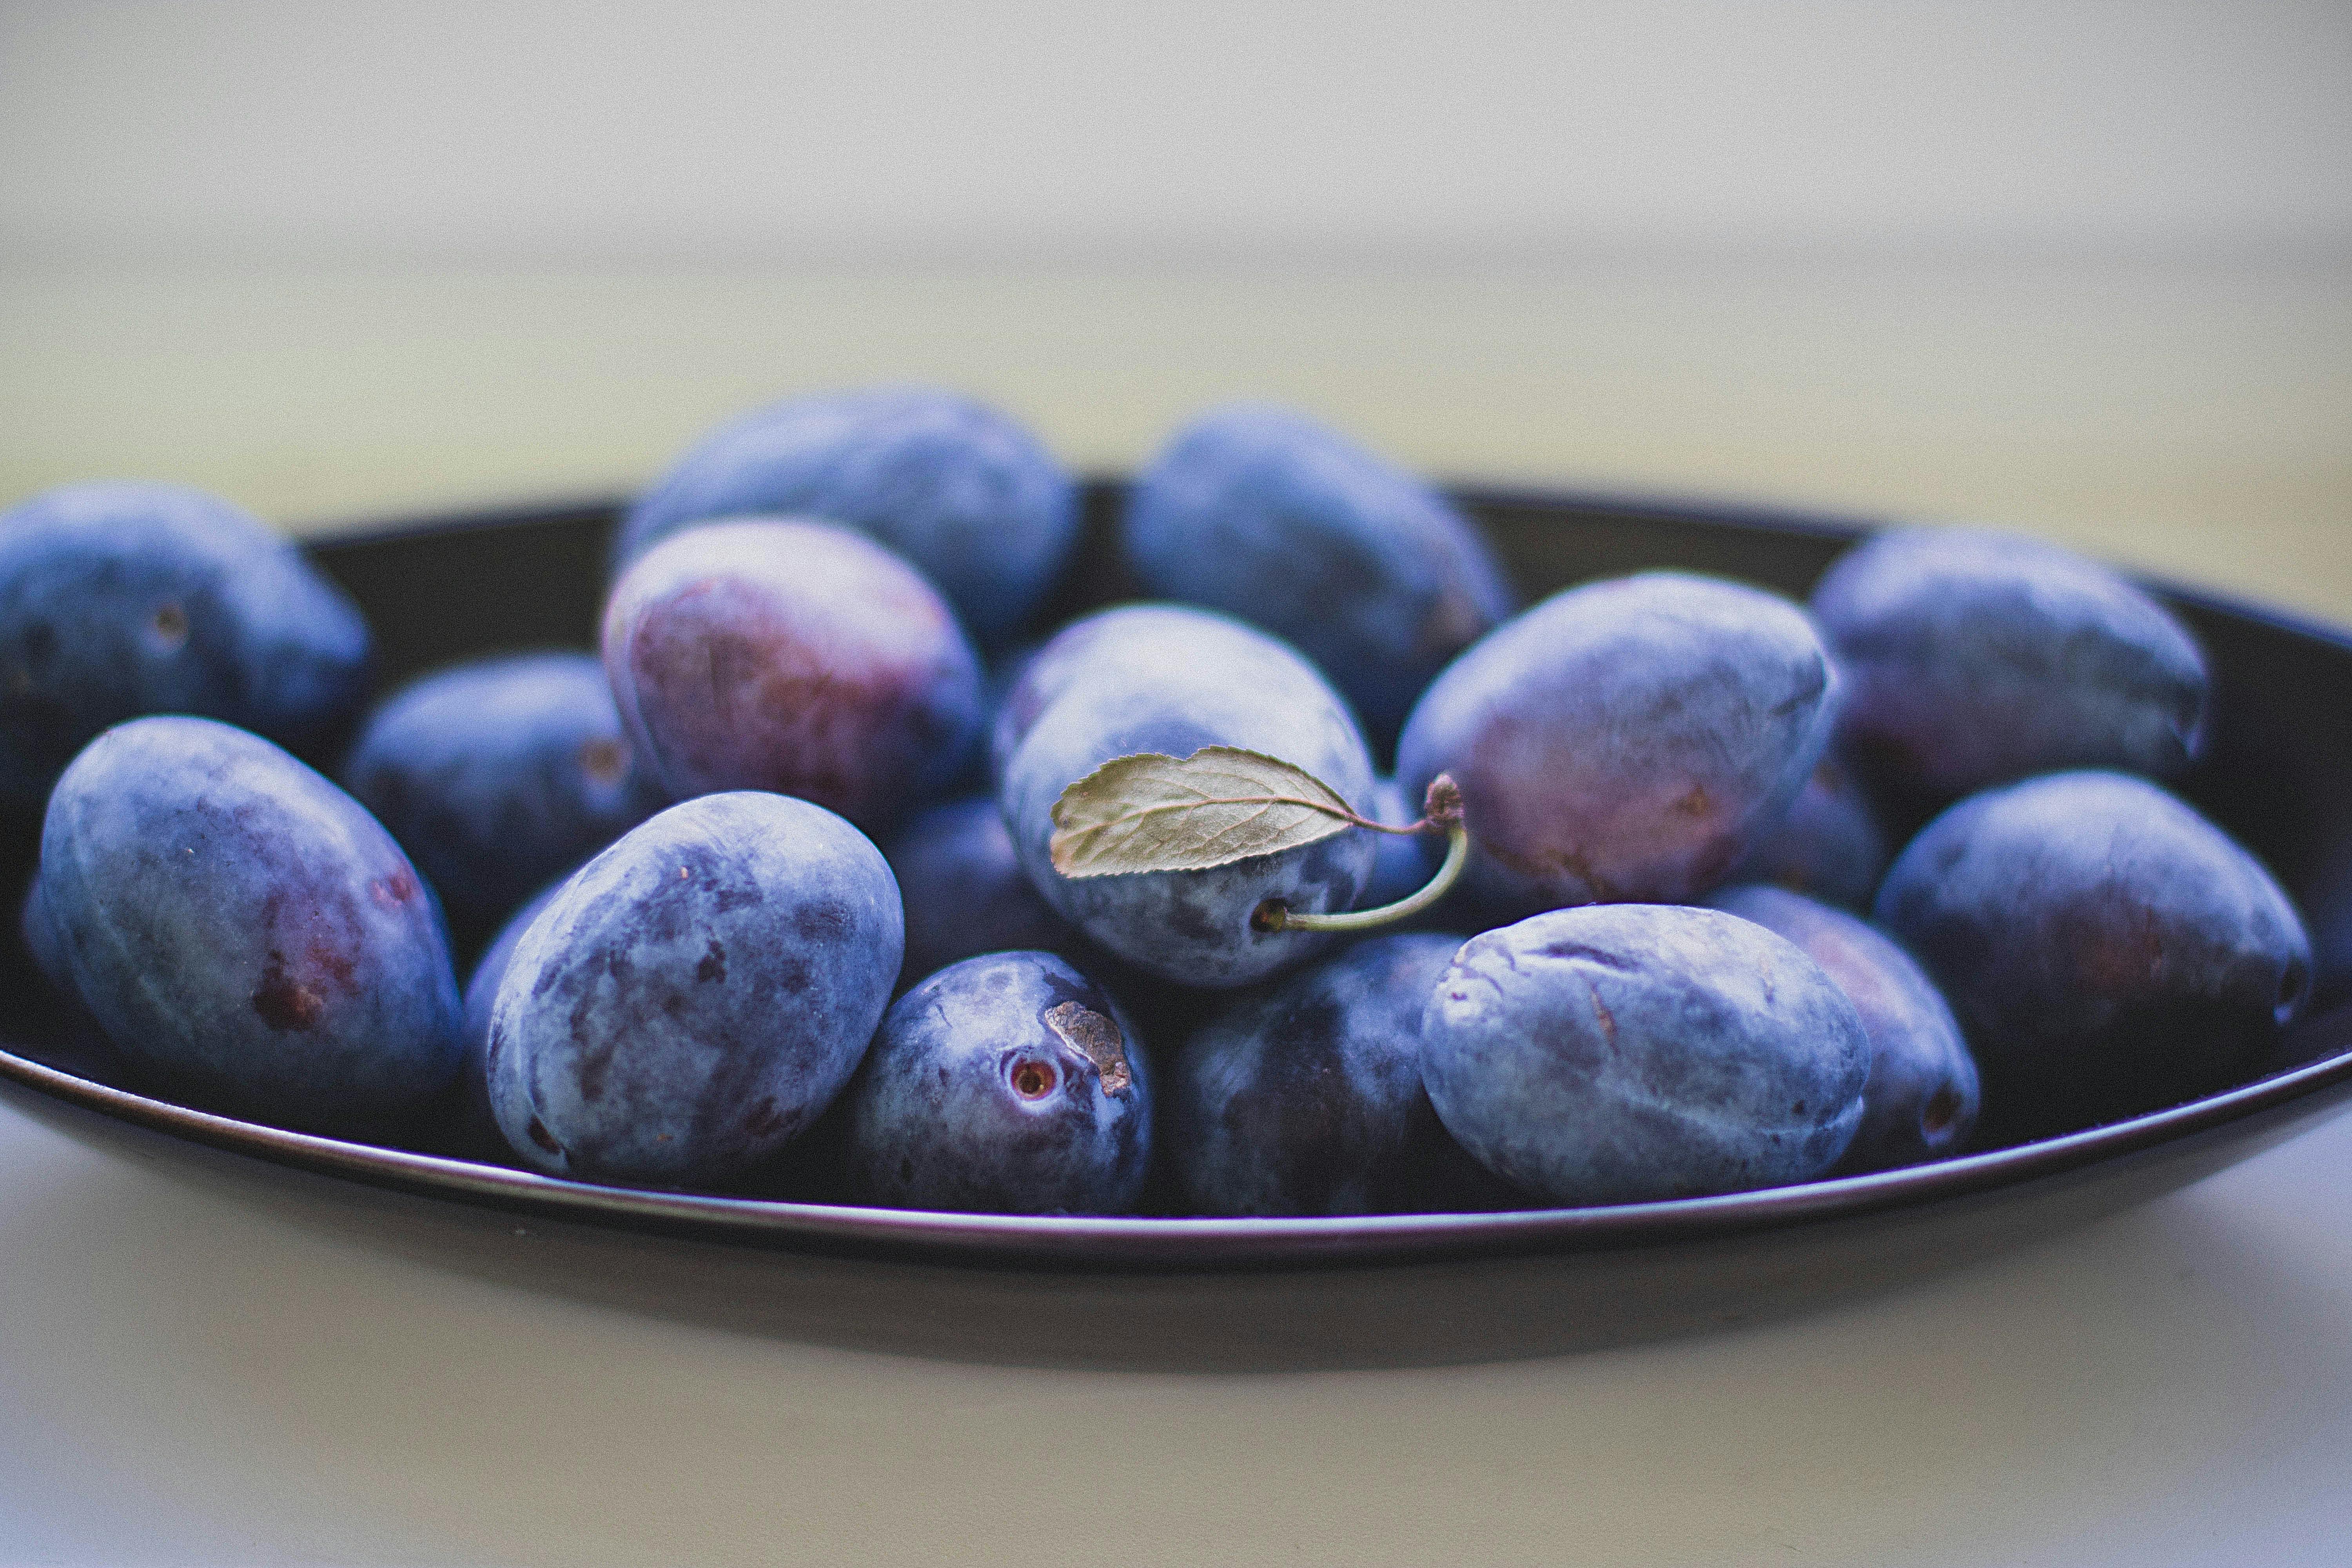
(2081, 268)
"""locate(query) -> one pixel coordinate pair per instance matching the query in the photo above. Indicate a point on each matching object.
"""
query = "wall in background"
(2078, 266)
(694, 131)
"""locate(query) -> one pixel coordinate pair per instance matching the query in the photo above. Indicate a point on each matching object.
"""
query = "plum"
(121, 599)
(2106, 950)
(1008, 1082)
(1618, 1053)
(498, 774)
(1170, 680)
(1922, 1097)
(794, 656)
(1143, 639)
(1829, 846)
(476, 1128)
(1265, 514)
(482, 987)
(965, 892)
(1622, 741)
(39, 936)
(695, 995)
(1972, 659)
(979, 506)
(1305, 1097)
(999, 674)
(244, 931)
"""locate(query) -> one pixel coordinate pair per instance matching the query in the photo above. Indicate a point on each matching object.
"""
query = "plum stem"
(1443, 810)
(1439, 807)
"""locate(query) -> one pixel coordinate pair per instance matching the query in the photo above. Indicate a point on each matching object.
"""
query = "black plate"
(1274, 1293)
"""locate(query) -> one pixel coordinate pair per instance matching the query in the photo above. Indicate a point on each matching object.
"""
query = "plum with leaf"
(1171, 683)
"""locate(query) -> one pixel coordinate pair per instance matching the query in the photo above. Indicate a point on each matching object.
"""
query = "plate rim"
(1187, 1244)
(1157, 1244)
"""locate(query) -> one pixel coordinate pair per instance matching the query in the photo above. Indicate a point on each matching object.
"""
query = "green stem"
(1275, 915)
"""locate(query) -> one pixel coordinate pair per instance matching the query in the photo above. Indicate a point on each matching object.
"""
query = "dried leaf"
(1154, 812)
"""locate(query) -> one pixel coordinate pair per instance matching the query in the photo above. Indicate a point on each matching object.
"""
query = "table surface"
(184, 1378)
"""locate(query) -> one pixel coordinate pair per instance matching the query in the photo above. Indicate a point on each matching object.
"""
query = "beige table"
(183, 1379)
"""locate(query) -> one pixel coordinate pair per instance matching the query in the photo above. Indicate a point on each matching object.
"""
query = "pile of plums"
(816, 767)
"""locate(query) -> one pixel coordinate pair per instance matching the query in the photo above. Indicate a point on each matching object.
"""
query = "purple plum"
(1973, 657)
(794, 656)
(244, 931)
(967, 495)
(1922, 1101)
(2106, 950)
(1620, 1053)
(695, 996)
(1625, 741)
(1266, 515)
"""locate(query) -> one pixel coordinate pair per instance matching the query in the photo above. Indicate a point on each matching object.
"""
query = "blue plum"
(122, 599)
(498, 773)
(998, 676)
(490, 969)
(794, 656)
(1619, 1053)
(476, 1128)
(2325, 889)
(695, 995)
(1922, 1101)
(965, 892)
(1265, 514)
(55, 1024)
(244, 931)
(1142, 637)
(40, 939)
(1009, 1082)
(1169, 679)
(1829, 846)
(2106, 950)
(980, 507)
(1622, 741)
(1305, 1097)
(1973, 657)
